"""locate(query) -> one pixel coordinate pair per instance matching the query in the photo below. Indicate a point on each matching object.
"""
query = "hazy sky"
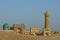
(30, 12)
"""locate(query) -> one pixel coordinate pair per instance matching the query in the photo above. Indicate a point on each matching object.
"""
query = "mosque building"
(5, 26)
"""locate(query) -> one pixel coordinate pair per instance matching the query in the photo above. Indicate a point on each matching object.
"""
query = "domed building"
(5, 26)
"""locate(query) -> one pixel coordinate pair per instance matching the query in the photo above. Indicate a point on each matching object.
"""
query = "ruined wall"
(33, 31)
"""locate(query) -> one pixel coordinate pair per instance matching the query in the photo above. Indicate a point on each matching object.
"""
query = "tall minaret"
(47, 20)
(46, 31)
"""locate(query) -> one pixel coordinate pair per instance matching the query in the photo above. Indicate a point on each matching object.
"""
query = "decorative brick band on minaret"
(47, 20)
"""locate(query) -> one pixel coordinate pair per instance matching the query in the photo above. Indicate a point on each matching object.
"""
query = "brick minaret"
(47, 24)
(47, 20)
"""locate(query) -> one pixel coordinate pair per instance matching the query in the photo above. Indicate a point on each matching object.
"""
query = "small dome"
(5, 26)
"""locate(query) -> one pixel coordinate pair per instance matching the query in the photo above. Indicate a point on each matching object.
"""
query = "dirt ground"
(13, 36)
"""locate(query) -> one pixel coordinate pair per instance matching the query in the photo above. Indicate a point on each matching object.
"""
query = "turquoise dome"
(5, 26)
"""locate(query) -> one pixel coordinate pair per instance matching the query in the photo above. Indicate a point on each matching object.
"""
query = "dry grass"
(14, 36)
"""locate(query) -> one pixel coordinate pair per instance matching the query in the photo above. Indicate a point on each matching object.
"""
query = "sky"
(30, 13)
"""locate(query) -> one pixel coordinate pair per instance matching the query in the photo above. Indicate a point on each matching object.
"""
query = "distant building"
(11, 28)
(5, 26)
(33, 31)
(20, 27)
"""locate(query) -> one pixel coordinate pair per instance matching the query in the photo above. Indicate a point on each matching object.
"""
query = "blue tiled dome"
(5, 26)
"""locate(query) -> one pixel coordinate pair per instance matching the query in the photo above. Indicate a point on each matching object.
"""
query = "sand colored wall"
(34, 30)
(26, 33)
